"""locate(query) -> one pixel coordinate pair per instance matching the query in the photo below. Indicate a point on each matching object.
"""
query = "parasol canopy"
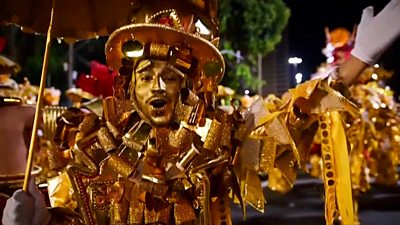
(73, 19)
(68, 19)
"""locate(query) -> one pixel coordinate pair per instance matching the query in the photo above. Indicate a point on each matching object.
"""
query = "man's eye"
(170, 77)
(146, 78)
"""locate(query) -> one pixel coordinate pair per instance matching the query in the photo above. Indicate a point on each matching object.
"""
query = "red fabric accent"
(87, 83)
(367, 155)
(99, 83)
(166, 20)
(2, 43)
(315, 149)
(341, 54)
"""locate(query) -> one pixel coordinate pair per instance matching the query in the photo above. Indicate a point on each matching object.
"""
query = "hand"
(376, 33)
(26, 209)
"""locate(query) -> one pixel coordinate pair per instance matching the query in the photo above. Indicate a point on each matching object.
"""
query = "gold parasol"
(73, 19)
(68, 19)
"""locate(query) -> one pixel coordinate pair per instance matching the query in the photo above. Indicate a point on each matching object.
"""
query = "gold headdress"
(182, 32)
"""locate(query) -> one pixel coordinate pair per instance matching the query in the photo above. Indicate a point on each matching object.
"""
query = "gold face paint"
(156, 91)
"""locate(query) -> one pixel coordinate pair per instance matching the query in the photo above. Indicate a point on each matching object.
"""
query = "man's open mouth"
(158, 103)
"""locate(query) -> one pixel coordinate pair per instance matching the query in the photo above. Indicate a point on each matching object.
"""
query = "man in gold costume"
(164, 153)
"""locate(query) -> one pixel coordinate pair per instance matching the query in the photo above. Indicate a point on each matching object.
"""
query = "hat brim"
(204, 51)
(77, 94)
(7, 66)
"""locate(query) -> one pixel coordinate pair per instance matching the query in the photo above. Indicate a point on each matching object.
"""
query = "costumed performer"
(164, 154)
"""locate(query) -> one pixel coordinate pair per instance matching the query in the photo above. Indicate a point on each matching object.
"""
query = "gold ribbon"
(336, 169)
(343, 194)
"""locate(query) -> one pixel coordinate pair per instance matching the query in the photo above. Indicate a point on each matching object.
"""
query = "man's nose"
(158, 85)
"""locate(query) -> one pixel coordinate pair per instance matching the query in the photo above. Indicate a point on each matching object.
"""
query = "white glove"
(26, 209)
(376, 34)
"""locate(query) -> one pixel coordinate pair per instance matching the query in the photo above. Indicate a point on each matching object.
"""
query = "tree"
(252, 27)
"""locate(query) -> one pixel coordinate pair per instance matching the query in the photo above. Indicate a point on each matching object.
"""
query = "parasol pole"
(38, 104)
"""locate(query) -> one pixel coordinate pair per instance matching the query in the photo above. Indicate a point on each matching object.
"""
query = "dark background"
(305, 29)
(307, 37)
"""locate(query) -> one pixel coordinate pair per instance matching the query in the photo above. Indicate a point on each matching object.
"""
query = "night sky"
(306, 30)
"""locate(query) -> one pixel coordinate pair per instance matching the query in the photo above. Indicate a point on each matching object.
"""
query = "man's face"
(157, 89)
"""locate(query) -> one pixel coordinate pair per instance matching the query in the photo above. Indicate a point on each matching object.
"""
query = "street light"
(295, 61)
(298, 77)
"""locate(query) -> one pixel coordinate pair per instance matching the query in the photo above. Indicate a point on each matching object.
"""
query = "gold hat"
(9, 92)
(76, 95)
(175, 30)
(7, 66)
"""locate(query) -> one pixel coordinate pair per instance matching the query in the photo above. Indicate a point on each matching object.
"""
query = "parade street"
(304, 205)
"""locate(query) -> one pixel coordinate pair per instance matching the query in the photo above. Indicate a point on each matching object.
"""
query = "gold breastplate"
(137, 174)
